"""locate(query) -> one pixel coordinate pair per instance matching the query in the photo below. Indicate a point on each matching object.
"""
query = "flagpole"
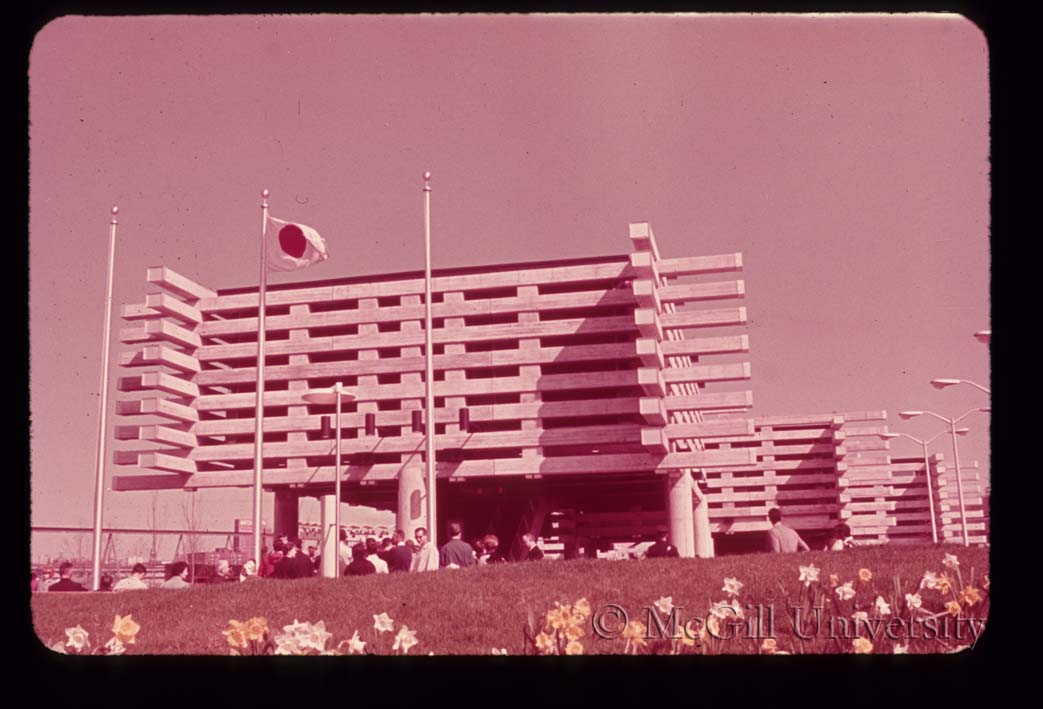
(259, 412)
(99, 470)
(429, 378)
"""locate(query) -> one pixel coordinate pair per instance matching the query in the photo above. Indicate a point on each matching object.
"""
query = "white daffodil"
(808, 574)
(383, 623)
(665, 604)
(881, 606)
(846, 592)
(732, 586)
(405, 639)
(913, 600)
(78, 638)
(355, 646)
(950, 561)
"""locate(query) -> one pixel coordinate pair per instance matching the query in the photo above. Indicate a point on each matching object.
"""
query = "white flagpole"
(99, 470)
(429, 379)
(259, 414)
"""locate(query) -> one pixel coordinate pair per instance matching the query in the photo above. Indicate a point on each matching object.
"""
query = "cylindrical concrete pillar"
(287, 514)
(679, 510)
(330, 536)
(412, 500)
(703, 539)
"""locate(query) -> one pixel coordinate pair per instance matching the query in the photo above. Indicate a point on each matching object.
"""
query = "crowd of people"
(395, 554)
(288, 559)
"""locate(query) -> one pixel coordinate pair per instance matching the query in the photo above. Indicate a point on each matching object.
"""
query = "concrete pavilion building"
(610, 394)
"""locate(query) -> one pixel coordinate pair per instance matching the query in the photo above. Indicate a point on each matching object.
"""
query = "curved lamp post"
(943, 383)
(955, 452)
(927, 470)
(333, 396)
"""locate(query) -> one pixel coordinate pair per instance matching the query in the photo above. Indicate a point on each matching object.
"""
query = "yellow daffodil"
(944, 584)
(769, 646)
(713, 625)
(559, 617)
(125, 629)
(901, 649)
(834, 580)
(255, 628)
(970, 596)
(953, 607)
(582, 607)
(862, 646)
(235, 634)
(985, 585)
(574, 632)
(545, 644)
(865, 575)
(575, 647)
(635, 632)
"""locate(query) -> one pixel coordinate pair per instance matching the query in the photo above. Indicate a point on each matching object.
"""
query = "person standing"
(490, 551)
(134, 582)
(426, 557)
(399, 558)
(178, 576)
(373, 555)
(360, 565)
(782, 538)
(456, 552)
(533, 551)
(662, 548)
(65, 582)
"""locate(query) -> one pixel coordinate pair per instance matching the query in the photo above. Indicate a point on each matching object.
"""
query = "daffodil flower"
(405, 639)
(383, 623)
(846, 592)
(666, 603)
(808, 574)
(732, 586)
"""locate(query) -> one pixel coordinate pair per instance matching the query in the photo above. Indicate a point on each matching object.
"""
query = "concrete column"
(287, 514)
(702, 538)
(412, 500)
(330, 536)
(679, 510)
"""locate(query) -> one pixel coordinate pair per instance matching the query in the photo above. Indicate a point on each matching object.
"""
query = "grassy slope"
(471, 610)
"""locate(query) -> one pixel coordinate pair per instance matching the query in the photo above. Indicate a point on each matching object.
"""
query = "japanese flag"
(292, 246)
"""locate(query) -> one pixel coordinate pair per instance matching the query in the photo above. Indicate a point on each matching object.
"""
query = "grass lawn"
(471, 611)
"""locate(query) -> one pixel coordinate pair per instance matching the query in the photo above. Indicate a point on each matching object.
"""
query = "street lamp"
(943, 383)
(955, 452)
(334, 396)
(927, 470)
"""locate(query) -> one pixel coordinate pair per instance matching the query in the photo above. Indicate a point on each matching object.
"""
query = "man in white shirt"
(344, 552)
(372, 547)
(426, 557)
(134, 582)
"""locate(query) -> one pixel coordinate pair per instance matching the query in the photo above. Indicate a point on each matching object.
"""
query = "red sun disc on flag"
(292, 241)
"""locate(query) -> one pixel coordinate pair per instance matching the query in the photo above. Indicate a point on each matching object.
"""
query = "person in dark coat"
(490, 551)
(399, 557)
(360, 565)
(533, 551)
(65, 582)
(662, 548)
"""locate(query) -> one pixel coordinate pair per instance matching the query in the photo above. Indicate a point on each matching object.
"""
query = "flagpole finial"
(265, 193)
(115, 211)
(427, 182)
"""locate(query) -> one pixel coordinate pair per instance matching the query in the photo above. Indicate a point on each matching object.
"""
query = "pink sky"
(845, 157)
